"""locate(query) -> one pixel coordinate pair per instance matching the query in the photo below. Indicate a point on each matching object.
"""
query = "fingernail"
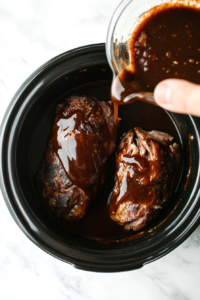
(163, 94)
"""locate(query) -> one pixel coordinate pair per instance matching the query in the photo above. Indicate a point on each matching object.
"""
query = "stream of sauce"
(166, 44)
(97, 222)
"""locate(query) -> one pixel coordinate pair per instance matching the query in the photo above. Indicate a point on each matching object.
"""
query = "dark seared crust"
(58, 193)
(148, 144)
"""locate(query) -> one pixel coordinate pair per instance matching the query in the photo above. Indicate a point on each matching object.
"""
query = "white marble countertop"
(32, 32)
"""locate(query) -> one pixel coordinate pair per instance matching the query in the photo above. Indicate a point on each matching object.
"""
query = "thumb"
(178, 96)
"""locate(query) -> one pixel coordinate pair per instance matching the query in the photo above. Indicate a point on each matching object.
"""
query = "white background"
(32, 32)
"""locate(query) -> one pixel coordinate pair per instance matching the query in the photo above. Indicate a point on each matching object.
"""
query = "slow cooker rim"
(14, 210)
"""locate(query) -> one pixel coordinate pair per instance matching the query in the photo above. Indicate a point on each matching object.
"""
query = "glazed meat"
(73, 169)
(144, 177)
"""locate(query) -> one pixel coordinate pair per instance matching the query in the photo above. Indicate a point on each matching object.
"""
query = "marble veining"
(32, 32)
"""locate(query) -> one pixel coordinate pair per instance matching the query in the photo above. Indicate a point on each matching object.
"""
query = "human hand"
(179, 96)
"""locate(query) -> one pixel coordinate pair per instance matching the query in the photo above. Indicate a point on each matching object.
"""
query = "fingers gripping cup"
(144, 47)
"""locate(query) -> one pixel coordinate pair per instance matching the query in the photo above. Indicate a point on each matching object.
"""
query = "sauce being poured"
(166, 44)
(97, 223)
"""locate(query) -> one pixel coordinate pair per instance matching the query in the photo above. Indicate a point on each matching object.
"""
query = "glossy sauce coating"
(138, 185)
(166, 44)
(81, 144)
(97, 223)
(75, 151)
(132, 184)
(143, 179)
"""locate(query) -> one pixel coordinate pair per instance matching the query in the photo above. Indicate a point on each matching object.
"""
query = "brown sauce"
(159, 50)
(166, 44)
(97, 223)
(79, 148)
(138, 184)
(76, 158)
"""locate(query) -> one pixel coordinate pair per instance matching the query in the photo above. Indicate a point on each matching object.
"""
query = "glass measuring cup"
(128, 15)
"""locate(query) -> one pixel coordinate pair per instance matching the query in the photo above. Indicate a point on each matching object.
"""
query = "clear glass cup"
(124, 21)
